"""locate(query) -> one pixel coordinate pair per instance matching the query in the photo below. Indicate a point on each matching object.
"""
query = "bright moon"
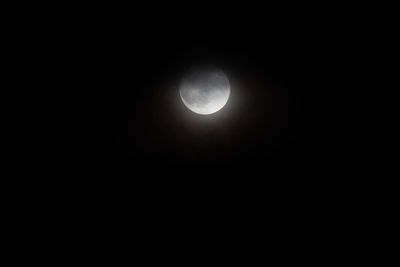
(205, 91)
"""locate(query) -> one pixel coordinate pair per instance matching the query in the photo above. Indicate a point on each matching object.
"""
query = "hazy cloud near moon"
(205, 91)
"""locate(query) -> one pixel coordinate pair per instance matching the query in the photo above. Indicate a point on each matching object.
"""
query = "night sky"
(279, 150)
(108, 164)
(281, 170)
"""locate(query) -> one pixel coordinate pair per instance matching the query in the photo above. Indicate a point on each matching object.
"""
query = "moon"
(205, 90)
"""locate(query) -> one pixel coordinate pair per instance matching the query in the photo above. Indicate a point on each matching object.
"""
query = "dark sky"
(132, 168)
(280, 143)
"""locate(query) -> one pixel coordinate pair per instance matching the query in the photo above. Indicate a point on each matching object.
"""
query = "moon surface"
(205, 90)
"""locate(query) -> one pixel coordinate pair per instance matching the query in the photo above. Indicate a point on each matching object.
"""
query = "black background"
(286, 170)
(290, 83)
(280, 155)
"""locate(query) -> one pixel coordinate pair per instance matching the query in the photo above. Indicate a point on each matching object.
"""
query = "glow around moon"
(205, 91)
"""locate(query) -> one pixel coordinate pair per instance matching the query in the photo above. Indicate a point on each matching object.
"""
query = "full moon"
(205, 90)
